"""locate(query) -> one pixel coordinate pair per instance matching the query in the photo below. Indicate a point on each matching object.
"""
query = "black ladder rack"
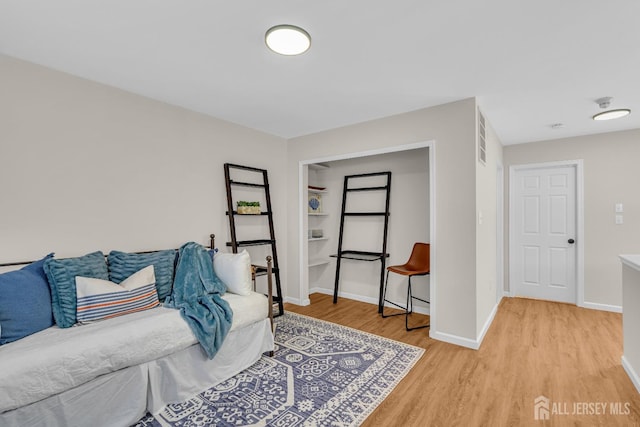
(231, 213)
(363, 255)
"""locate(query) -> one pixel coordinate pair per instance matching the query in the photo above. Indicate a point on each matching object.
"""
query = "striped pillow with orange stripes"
(101, 299)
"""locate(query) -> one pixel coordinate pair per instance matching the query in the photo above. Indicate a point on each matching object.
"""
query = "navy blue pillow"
(124, 264)
(62, 281)
(25, 302)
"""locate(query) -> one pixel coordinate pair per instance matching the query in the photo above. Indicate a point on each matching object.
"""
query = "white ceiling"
(530, 63)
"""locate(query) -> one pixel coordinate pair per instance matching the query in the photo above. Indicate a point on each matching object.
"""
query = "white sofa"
(113, 372)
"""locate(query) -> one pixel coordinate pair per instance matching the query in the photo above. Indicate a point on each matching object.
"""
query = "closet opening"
(411, 219)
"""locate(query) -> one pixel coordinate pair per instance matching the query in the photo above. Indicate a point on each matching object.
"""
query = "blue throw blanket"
(196, 293)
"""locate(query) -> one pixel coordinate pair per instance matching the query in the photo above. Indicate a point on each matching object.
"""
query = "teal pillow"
(62, 281)
(124, 264)
(25, 302)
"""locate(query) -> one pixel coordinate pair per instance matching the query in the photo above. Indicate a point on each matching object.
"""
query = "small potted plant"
(248, 208)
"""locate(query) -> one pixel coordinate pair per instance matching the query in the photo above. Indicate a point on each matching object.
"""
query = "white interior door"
(543, 233)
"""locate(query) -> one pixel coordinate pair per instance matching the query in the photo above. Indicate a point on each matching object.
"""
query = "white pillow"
(235, 271)
(99, 299)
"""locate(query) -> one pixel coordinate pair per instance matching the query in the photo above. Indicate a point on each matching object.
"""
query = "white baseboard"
(466, 342)
(635, 379)
(369, 300)
(603, 307)
(487, 325)
(454, 339)
(297, 301)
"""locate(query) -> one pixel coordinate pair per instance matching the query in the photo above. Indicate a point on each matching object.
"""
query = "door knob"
(571, 241)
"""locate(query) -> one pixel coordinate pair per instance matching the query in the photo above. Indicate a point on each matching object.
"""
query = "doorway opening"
(326, 174)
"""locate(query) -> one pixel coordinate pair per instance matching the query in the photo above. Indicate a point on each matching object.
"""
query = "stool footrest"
(408, 309)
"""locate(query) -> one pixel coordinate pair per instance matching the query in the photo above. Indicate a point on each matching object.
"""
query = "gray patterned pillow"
(61, 274)
(124, 264)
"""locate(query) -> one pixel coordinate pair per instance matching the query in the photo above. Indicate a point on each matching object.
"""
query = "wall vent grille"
(482, 139)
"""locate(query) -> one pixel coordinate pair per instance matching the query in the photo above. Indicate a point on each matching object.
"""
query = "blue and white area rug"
(322, 374)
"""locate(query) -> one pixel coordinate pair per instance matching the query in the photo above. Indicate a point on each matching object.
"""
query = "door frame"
(578, 166)
(500, 270)
(303, 242)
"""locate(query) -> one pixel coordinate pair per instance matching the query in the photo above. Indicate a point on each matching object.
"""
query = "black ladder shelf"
(364, 255)
(231, 213)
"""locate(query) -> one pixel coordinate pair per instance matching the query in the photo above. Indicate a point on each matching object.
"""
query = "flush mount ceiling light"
(287, 40)
(611, 114)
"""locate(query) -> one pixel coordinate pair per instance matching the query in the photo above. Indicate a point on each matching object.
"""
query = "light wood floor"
(568, 354)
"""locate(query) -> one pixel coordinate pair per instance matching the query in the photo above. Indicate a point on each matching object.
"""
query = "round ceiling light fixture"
(611, 114)
(287, 40)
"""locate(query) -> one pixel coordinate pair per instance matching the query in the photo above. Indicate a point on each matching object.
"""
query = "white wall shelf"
(311, 190)
(318, 222)
(317, 262)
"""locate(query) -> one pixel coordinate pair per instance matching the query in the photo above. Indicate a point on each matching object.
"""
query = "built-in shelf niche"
(318, 249)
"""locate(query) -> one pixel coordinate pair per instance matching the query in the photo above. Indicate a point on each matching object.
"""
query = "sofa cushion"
(124, 264)
(101, 299)
(25, 302)
(62, 274)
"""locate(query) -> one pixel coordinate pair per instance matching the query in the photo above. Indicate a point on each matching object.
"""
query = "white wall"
(408, 223)
(487, 230)
(611, 175)
(87, 167)
(452, 127)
